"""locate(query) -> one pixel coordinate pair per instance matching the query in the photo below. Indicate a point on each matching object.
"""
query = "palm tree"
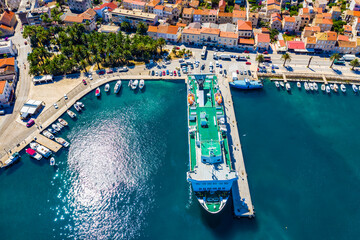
(286, 57)
(354, 63)
(309, 62)
(334, 57)
(161, 43)
(260, 59)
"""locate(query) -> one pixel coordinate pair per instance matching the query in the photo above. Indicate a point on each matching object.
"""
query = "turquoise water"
(124, 175)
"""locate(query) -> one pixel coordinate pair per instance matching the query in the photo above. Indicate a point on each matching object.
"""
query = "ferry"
(107, 87)
(246, 84)
(62, 141)
(117, 87)
(71, 114)
(97, 92)
(45, 152)
(48, 134)
(141, 84)
(63, 122)
(210, 171)
(33, 154)
(13, 158)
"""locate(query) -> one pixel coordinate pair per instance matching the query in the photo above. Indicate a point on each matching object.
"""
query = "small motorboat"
(141, 84)
(316, 87)
(288, 87)
(277, 84)
(343, 88)
(13, 158)
(355, 88)
(33, 154)
(130, 83)
(134, 84)
(298, 84)
(59, 125)
(62, 141)
(311, 86)
(56, 127)
(117, 87)
(328, 89)
(306, 86)
(47, 134)
(97, 92)
(80, 104)
(77, 107)
(332, 86)
(336, 88)
(52, 131)
(44, 151)
(323, 87)
(34, 145)
(107, 87)
(52, 161)
(71, 114)
(282, 84)
(63, 122)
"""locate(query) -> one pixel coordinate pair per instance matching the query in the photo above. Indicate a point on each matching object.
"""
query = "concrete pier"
(46, 142)
(240, 190)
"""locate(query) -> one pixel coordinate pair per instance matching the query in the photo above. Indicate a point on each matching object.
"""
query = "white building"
(7, 47)
(13, 4)
(5, 93)
(79, 5)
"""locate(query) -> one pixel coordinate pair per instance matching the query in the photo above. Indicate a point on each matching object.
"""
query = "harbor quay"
(46, 118)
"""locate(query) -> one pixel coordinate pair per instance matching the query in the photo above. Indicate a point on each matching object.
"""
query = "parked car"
(246, 51)
(163, 73)
(266, 52)
(152, 72)
(65, 97)
(101, 72)
(237, 71)
(241, 72)
(175, 73)
(177, 48)
(84, 82)
(220, 65)
(55, 106)
(248, 63)
(203, 67)
(30, 123)
(123, 69)
(167, 72)
(109, 71)
(156, 74)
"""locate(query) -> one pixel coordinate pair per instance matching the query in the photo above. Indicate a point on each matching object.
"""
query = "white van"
(234, 76)
(349, 57)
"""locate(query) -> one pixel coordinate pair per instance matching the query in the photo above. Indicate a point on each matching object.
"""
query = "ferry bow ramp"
(216, 165)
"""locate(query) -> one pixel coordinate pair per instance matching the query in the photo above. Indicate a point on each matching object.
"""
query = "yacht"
(77, 107)
(323, 87)
(141, 84)
(71, 114)
(315, 86)
(56, 127)
(306, 86)
(97, 92)
(80, 104)
(59, 125)
(63, 122)
(52, 161)
(288, 87)
(62, 141)
(298, 84)
(336, 88)
(45, 152)
(107, 87)
(33, 154)
(117, 86)
(327, 89)
(277, 84)
(13, 158)
(343, 88)
(134, 84)
(47, 134)
(355, 88)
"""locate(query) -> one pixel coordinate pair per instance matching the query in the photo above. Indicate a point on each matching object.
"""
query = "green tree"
(334, 57)
(354, 63)
(161, 43)
(286, 57)
(141, 28)
(260, 59)
(273, 34)
(338, 26)
(125, 26)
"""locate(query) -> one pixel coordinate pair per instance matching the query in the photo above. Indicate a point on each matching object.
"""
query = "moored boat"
(246, 84)
(336, 88)
(55, 127)
(298, 84)
(277, 84)
(328, 89)
(71, 114)
(323, 87)
(52, 131)
(63, 122)
(306, 86)
(97, 92)
(62, 141)
(44, 151)
(316, 87)
(77, 107)
(12, 159)
(33, 154)
(343, 88)
(59, 125)
(117, 86)
(47, 134)
(52, 161)
(141, 84)
(130, 83)
(134, 84)
(311, 86)
(107, 87)
(355, 88)
(282, 84)
(80, 104)
(288, 87)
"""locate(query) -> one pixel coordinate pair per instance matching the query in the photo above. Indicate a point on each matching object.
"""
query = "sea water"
(124, 174)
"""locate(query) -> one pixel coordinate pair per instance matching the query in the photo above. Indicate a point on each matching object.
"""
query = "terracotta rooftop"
(244, 25)
(188, 11)
(198, 12)
(349, 44)
(191, 31)
(159, 7)
(247, 41)
(347, 28)
(215, 31)
(152, 29)
(183, 25)
(239, 14)
(263, 38)
(343, 38)
(2, 26)
(323, 21)
(289, 19)
(313, 28)
(311, 40)
(225, 14)
(88, 14)
(110, 5)
(327, 36)
(153, 3)
(2, 86)
(228, 35)
(7, 62)
(73, 19)
(269, 2)
(6, 18)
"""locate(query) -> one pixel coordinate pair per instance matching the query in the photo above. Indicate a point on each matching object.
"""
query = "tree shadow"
(289, 68)
(337, 71)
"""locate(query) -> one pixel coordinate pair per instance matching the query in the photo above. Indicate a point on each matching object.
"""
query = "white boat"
(51, 130)
(311, 86)
(59, 125)
(277, 84)
(63, 122)
(298, 84)
(315, 86)
(71, 114)
(141, 84)
(55, 127)
(343, 88)
(47, 134)
(282, 84)
(117, 86)
(45, 152)
(107, 87)
(306, 86)
(327, 89)
(288, 87)
(323, 87)
(80, 104)
(13, 158)
(33, 154)
(134, 84)
(355, 88)
(336, 87)
(130, 83)
(97, 92)
(52, 161)
(33, 145)
(62, 141)
(77, 107)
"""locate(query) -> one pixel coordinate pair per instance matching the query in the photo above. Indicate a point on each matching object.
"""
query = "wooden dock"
(240, 190)
(46, 142)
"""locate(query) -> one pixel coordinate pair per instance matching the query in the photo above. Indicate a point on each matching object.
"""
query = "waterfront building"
(245, 29)
(7, 47)
(30, 108)
(326, 41)
(133, 4)
(208, 15)
(104, 9)
(79, 5)
(5, 93)
(228, 39)
(197, 15)
(225, 17)
(191, 36)
(262, 41)
(210, 36)
(310, 43)
(246, 44)
(133, 17)
(169, 33)
(239, 15)
(159, 10)
(310, 31)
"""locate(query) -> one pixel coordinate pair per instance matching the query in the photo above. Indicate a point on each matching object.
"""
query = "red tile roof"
(2, 86)
(110, 5)
(263, 37)
(6, 18)
(295, 45)
(244, 25)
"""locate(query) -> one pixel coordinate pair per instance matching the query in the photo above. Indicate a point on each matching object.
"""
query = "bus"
(203, 53)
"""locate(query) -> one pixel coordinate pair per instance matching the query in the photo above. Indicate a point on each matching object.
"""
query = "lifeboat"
(218, 98)
(191, 98)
